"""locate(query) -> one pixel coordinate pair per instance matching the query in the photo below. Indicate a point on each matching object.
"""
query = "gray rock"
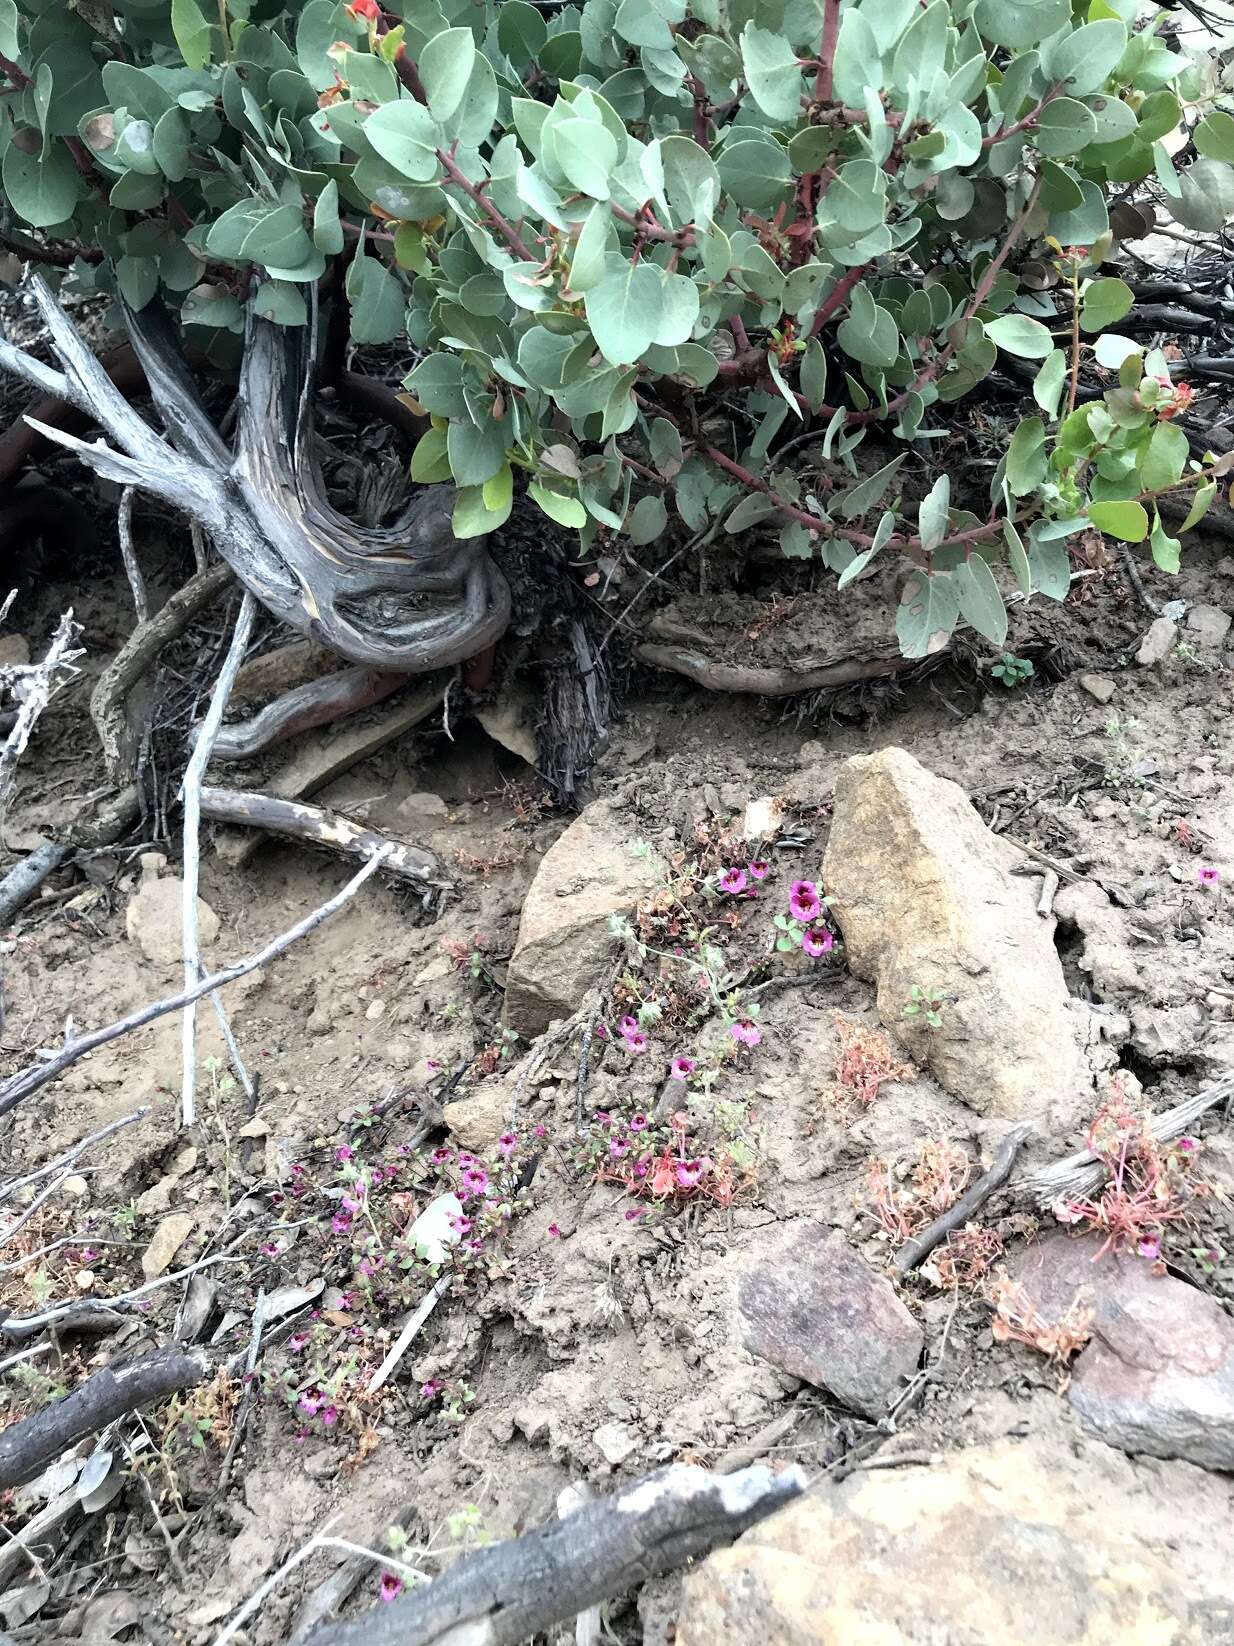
(1158, 642)
(924, 896)
(1209, 624)
(615, 1442)
(589, 874)
(1097, 686)
(1158, 1374)
(819, 1312)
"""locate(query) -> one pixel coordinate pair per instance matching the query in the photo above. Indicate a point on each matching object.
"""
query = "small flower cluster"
(805, 925)
(905, 1197)
(740, 881)
(667, 1164)
(1148, 1185)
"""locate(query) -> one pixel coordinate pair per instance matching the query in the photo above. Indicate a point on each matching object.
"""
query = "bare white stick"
(199, 545)
(32, 685)
(70, 1155)
(586, 1624)
(409, 1331)
(195, 771)
(1081, 1173)
(124, 529)
(321, 1541)
(20, 1086)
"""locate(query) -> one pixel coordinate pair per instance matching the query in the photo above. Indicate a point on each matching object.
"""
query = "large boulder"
(1009, 1542)
(817, 1310)
(1158, 1374)
(924, 896)
(592, 872)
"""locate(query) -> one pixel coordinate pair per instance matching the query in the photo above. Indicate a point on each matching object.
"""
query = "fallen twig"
(21, 882)
(315, 703)
(34, 684)
(320, 827)
(190, 941)
(506, 1593)
(27, 1447)
(758, 682)
(327, 1599)
(72, 1154)
(1080, 1173)
(920, 1246)
(409, 1332)
(124, 530)
(110, 695)
(20, 1086)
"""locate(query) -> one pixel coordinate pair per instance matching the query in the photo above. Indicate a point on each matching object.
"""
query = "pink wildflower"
(297, 1341)
(440, 1156)
(507, 1143)
(803, 901)
(680, 1067)
(1208, 876)
(460, 1225)
(340, 1222)
(271, 1248)
(391, 1586)
(639, 1123)
(351, 1202)
(759, 870)
(540, 1131)
(554, 1233)
(818, 940)
(636, 1042)
(343, 1153)
(618, 1146)
(690, 1172)
(464, 1160)
(1150, 1246)
(329, 1416)
(1186, 1144)
(309, 1404)
(431, 1389)
(746, 1033)
(734, 881)
(475, 1180)
(628, 1025)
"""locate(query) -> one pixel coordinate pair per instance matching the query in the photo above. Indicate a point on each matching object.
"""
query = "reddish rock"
(1158, 1375)
(819, 1312)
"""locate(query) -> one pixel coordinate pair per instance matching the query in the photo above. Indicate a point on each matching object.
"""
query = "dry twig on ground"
(32, 684)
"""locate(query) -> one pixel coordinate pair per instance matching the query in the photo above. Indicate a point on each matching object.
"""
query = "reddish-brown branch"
(824, 80)
(506, 229)
(650, 229)
(836, 299)
(1026, 124)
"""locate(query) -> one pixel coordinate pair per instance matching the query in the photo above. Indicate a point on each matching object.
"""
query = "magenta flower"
(554, 1233)
(391, 1586)
(297, 1170)
(297, 1341)
(641, 1169)
(639, 1123)
(1150, 1246)
(465, 1160)
(618, 1146)
(601, 1031)
(432, 1063)
(628, 1025)
(759, 870)
(691, 1172)
(540, 1131)
(603, 1118)
(507, 1143)
(818, 940)
(460, 1225)
(636, 1042)
(370, 1265)
(329, 1416)
(635, 1213)
(271, 1248)
(441, 1156)
(1186, 1144)
(803, 901)
(343, 1153)
(340, 1222)
(431, 1389)
(734, 881)
(309, 1404)
(746, 1033)
(475, 1245)
(475, 1180)
(680, 1067)
(1208, 876)
(352, 1202)
(376, 1176)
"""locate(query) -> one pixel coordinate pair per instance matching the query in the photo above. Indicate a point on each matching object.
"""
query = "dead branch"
(24, 879)
(1081, 1173)
(316, 703)
(32, 685)
(190, 941)
(504, 1594)
(319, 827)
(917, 1249)
(20, 1086)
(128, 554)
(107, 702)
(27, 1447)
(754, 682)
(70, 1155)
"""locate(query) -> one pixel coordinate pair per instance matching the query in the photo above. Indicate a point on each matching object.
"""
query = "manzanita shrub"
(638, 244)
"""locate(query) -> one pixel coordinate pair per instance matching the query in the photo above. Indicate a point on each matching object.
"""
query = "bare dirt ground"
(590, 1330)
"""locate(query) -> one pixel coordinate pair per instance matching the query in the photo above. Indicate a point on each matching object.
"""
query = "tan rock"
(14, 651)
(1009, 1543)
(480, 1118)
(592, 872)
(924, 897)
(168, 1238)
(152, 919)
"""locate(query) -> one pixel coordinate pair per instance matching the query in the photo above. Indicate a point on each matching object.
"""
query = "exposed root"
(756, 682)
(316, 703)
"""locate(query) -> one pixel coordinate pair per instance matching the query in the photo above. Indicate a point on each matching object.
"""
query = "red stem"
(506, 229)
(824, 80)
